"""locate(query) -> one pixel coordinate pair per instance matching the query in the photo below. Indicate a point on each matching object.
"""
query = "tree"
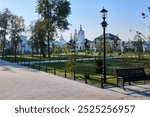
(33, 42)
(17, 26)
(41, 33)
(58, 50)
(108, 48)
(55, 13)
(115, 45)
(87, 47)
(99, 46)
(4, 28)
(72, 45)
(71, 64)
(37, 38)
(99, 66)
(138, 45)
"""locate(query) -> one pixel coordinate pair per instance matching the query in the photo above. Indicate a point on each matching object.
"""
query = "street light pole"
(104, 54)
(104, 25)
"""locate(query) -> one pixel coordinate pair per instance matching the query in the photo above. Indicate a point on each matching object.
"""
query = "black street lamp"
(104, 25)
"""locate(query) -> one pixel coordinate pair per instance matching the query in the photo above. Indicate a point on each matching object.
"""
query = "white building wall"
(23, 45)
(80, 39)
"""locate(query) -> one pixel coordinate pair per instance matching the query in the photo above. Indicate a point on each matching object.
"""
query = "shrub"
(99, 66)
(71, 64)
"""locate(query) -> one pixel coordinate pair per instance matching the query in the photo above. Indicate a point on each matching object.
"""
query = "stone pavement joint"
(21, 83)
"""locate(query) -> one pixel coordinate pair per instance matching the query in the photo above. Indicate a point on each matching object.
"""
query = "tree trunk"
(48, 40)
(32, 52)
(15, 53)
(3, 48)
(139, 56)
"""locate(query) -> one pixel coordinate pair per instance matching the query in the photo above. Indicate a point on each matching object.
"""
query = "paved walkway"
(55, 61)
(21, 83)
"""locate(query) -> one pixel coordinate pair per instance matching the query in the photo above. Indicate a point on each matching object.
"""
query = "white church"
(79, 37)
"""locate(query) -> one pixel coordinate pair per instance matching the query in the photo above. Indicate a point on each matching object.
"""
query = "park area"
(83, 66)
(58, 54)
(23, 83)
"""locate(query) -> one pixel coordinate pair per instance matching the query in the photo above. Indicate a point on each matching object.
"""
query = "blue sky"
(123, 15)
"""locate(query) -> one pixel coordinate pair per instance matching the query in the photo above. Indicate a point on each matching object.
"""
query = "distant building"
(23, 45)
(147, 46)
(80, 39)
(110, 38)
(128, 45)
(61, 41)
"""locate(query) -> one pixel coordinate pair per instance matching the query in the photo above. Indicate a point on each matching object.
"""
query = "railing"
(86, 78)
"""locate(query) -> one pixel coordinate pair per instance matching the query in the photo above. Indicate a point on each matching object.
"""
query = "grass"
(83, 67)
(27, 58)
(89, 67)
(63, 56)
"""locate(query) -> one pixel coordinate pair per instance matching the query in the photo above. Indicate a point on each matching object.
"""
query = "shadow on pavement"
(143, 90)
(10, 66)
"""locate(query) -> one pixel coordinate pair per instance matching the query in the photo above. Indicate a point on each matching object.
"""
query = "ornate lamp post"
(104, 25)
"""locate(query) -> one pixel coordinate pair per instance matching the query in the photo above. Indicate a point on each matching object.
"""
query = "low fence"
(86, 78)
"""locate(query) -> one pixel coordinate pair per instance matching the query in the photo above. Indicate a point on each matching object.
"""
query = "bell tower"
(81, 35)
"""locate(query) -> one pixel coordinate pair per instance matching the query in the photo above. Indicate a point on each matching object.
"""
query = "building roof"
(108, 36)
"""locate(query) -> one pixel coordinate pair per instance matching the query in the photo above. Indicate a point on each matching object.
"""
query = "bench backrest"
(134, 73)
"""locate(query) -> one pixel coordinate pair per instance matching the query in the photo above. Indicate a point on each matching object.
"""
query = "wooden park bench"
(131, 75)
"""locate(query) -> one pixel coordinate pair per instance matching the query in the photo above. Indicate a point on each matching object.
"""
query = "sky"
(122, 16)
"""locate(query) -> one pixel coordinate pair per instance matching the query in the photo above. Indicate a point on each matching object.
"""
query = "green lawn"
(83, 67)
(27, 58)
(63, 56)
(88, 67)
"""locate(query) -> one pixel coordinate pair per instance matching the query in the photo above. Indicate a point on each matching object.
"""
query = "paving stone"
(21, 83)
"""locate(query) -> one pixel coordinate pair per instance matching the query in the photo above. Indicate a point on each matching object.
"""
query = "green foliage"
(87, 47)
(138, 45)
(10, 25)
(72, 45)
(99, 66)
(108, 48)
(115, 45)
(4, 28)
(40, 37)
(71, 64)
(17, 26)
(54, 13)
(99, 47)
(58, 50)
